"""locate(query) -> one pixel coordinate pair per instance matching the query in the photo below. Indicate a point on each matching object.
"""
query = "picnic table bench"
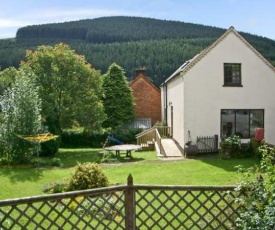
(125, 147)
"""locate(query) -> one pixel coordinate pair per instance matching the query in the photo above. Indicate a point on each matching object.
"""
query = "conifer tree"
(118, 97)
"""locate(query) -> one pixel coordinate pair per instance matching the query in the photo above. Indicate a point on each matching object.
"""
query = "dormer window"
(232, 74)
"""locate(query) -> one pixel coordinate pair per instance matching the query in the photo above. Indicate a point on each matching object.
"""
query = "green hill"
(118, 29)
(131, 42)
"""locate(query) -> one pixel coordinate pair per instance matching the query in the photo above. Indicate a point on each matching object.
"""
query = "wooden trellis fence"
(125, 207)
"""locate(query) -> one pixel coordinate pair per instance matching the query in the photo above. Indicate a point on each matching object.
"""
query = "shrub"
(20, 115)
(55, 187)
(46, 161)
(234, 141)
(257, 193)
(87, 176)
(56, 162)
(230, 146)
(76, 138)
(254, 146)
(50, 148)
(126, 135)
(161, 123)
(4, 161)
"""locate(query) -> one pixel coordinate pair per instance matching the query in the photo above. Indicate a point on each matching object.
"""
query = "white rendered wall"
(205, 95)
(175, 98)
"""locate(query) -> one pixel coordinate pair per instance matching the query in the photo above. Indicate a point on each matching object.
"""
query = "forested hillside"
(130, 42)
(118, 29)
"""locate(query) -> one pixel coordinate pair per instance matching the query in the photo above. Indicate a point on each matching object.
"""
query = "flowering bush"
(55, 187)
(257, 193)
(234, 141)
(231, 146)
(87, 176)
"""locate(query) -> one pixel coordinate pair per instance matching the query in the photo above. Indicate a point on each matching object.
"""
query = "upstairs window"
(232, 74)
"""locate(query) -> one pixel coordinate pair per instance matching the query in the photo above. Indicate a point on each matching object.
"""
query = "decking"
(158, 138)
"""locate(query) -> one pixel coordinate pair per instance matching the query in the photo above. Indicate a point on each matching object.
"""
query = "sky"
(252, 16)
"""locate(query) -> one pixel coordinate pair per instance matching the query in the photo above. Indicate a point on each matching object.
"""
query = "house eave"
(181, 71)
(177, 73)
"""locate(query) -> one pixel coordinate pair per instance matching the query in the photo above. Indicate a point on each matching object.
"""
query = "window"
(241, 122)
(232, 74)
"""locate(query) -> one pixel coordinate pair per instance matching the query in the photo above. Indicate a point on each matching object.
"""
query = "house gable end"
(191, 63)
(143, 78)
(231, 30)
(147, 98)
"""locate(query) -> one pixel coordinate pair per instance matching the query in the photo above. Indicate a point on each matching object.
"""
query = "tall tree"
(118, 97)
(21, 107)
(70, 88)
(7, 77)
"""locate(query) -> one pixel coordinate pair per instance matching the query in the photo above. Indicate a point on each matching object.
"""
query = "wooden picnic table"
(125, 147)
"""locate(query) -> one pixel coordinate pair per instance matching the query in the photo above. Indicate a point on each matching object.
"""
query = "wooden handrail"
(145, 132)
(150, 135)
(163, 130)
(158, 141)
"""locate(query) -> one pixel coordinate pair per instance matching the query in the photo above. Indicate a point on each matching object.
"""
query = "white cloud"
(7, 23)
(57, 15)
(8, 27)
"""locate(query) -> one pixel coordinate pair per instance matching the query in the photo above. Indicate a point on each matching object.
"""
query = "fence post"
(130, 214)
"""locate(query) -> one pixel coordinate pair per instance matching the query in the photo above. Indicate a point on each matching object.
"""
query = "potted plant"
(230, 146)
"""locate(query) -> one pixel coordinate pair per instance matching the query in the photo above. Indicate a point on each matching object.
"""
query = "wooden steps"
(148, 146)
(156, 139)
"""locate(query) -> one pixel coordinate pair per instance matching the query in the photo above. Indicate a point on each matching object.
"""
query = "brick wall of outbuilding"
(147, 98)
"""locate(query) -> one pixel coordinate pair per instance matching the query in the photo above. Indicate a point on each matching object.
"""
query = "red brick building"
(147, 97)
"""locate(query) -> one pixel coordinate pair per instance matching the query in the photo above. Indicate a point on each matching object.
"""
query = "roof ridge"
(204, 52)
(146, 79)
(219, 40)
(254, 50)
(208, 49)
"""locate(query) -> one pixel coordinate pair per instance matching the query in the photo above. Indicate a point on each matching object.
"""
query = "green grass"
(70, 157)
(144, 166)
(188, 172)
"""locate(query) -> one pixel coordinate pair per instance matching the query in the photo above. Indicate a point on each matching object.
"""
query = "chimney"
(141, 70)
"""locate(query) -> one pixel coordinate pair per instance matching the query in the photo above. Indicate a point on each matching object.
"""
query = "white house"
(228, 88)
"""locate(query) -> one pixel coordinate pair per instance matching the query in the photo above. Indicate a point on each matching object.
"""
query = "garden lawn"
(187, 172)
(70, 157)
(145, 168)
